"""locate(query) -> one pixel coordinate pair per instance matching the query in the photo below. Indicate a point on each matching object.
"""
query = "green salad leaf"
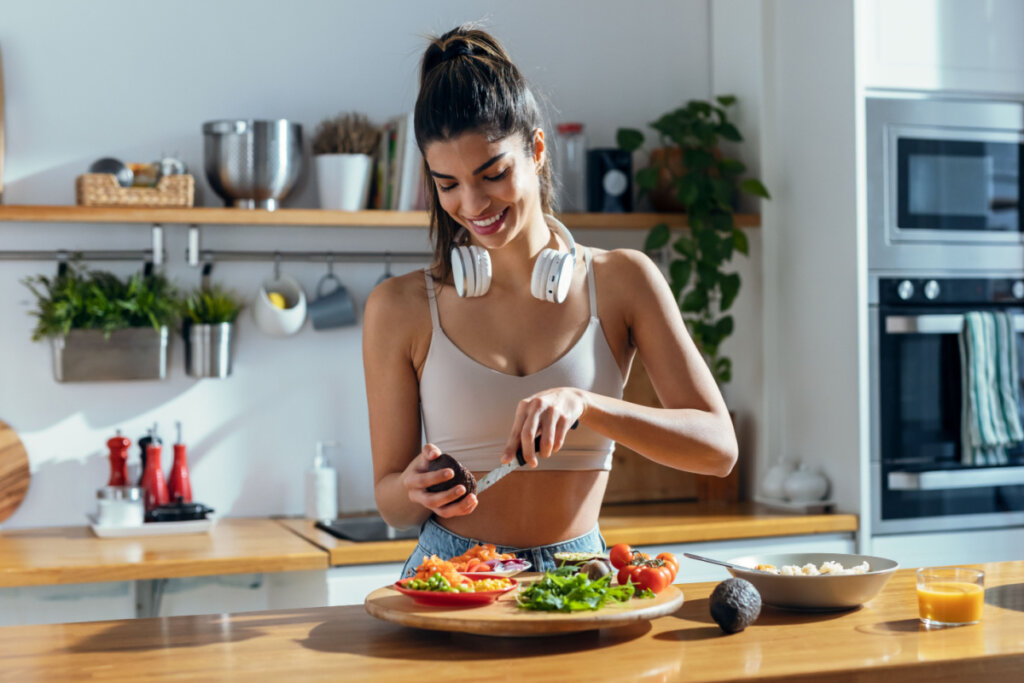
(562, 590)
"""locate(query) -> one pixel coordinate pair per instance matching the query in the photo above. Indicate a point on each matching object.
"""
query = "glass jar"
(120, 506)
(570, 167)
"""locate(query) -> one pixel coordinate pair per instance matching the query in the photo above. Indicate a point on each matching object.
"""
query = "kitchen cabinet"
(951, 547)
(944, 45)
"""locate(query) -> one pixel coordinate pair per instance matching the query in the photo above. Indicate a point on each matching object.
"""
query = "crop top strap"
(432, 300)
(590, 282)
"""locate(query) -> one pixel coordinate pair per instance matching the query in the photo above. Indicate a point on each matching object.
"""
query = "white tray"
(189, 526)
(815, 507)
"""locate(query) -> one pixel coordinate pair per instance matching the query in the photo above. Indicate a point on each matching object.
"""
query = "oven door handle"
(938, 480)
(944, 323)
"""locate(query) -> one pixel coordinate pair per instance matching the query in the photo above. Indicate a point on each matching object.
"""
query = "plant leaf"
(679, 272)
(647, 178)
(685, 246)
(729, 132)
(724, 326)
(723, 370)
(696, 300)
(730, 286)
(726, 100)
(657, 238)
(629, 139)
(731, 166)
(739, 242)
(753, 186)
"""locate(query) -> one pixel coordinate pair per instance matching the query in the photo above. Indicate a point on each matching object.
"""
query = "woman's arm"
(691, 432)
(400, 461)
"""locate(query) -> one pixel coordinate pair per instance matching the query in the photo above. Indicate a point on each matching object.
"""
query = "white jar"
(119, 506)
(321, 487)
(806, 485)
(772, 486)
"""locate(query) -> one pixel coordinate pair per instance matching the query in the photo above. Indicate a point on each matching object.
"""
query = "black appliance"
(609, 181)
(370, 528)
(918, 479)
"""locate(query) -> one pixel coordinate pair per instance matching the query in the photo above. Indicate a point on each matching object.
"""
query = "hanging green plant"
(706, 184)
(211, 305)
(97, 300)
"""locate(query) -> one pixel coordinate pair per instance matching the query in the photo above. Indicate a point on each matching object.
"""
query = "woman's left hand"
(549, 413)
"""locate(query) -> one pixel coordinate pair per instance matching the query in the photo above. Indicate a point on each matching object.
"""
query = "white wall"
(136, 80)
(811, 243)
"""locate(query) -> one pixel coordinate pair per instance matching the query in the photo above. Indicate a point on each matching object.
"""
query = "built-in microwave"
(944, 183)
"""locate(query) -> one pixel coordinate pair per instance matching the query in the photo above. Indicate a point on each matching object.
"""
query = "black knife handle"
(536, 445)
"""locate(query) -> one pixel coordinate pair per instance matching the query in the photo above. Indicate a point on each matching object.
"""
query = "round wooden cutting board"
(504, 618)
(14, 471)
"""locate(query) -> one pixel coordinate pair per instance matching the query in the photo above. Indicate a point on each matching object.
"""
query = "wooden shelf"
(315, 217)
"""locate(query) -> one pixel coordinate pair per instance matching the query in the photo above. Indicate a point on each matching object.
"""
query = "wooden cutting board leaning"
(14, 471)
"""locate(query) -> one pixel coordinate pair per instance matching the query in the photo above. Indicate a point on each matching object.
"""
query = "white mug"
(280, 322)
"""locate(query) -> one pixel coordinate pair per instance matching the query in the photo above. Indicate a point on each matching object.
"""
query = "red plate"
(456, 599)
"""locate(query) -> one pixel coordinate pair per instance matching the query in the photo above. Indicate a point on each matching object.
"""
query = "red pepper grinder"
(178, 486)
(118, 446)
(153, 483)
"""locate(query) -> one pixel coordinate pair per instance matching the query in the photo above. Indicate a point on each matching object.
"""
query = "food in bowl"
(828, 567)
(816, 592)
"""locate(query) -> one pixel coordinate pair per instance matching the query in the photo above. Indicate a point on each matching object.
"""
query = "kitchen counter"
(881, 641)
(647, 524)
(62, 555)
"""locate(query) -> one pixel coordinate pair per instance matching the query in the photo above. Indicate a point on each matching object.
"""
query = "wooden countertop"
(649, 524)
(30, 557)
(881, 641)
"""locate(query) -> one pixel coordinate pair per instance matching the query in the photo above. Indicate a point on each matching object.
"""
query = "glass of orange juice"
(950, 596)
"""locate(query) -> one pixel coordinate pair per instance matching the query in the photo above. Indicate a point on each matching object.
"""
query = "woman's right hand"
(417, 477)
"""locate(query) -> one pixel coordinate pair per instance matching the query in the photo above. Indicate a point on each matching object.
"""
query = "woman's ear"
(539, 149)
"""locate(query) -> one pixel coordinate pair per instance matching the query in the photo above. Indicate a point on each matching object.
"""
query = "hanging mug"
(280, 305)
(334, 308)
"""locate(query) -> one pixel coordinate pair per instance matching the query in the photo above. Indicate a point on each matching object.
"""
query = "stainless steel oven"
(944, 183)
(919, 481)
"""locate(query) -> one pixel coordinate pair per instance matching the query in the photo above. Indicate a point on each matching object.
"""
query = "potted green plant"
(102, 327)
(208, 316)
(705, 182)
(344, 147)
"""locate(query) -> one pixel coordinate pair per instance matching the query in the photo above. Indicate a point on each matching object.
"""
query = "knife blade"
(499, 472)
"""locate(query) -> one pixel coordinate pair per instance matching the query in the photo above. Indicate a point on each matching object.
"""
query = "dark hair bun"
(457, 48)
(462, 476)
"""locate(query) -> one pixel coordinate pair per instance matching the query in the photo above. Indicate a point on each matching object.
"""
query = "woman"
(484, 348)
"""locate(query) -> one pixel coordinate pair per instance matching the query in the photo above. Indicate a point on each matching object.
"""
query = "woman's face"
(490, 188)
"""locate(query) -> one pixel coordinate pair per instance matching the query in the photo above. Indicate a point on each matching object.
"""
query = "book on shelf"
(399, 172)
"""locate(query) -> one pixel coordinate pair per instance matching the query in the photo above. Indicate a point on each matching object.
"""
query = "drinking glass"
(950, 596)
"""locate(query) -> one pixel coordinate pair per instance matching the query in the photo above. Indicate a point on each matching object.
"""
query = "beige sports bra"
(468, 408)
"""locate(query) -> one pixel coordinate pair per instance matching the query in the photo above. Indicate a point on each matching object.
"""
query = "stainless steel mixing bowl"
(252, 164)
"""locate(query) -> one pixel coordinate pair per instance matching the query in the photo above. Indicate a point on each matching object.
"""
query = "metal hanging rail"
(154, 255)
(216, 256)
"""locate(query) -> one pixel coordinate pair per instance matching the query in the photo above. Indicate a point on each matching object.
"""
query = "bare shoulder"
(398, 307)
(627, 269)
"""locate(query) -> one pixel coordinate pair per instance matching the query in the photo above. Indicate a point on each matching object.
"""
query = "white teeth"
(489, 221)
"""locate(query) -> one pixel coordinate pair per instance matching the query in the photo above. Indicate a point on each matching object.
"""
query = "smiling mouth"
(488, 222)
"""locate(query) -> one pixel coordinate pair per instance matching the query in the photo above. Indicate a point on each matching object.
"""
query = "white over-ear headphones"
(552, 272)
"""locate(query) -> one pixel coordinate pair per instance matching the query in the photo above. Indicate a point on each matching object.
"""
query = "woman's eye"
(497, 177)
(446, 188)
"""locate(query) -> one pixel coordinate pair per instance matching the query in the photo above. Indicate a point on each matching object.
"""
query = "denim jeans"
(436, 540)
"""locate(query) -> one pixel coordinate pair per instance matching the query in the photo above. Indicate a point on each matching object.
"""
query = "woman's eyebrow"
(480, 169)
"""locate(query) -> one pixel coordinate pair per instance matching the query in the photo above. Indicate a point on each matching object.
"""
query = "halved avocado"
(735, 604)
(462, 476)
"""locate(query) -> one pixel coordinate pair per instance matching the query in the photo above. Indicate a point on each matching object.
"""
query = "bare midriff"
(527, 509)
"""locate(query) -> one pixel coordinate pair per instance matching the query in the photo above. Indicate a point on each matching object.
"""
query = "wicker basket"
(102, 189)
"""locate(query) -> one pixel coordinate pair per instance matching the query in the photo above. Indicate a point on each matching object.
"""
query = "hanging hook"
(387, 263)
(277, 265)
(204, 279)
(330, 263)
(62, 263)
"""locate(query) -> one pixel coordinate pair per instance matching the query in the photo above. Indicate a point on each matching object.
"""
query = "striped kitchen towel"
(990, 416)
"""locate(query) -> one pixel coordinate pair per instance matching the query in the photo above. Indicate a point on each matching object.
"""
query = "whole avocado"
(462, 476)
(735, 605)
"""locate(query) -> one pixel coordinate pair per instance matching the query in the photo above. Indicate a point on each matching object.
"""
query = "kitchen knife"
(499, 472)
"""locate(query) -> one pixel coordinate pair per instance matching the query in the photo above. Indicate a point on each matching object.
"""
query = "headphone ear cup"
(538, 282)
(560, 279)
(483, 270)
(458, 271)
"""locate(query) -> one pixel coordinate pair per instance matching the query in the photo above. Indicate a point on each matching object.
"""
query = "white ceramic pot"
(805, 485)
(280, 322)
(343, 180)
(775, 479)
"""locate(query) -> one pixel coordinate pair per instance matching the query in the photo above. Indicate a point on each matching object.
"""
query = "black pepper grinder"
(151, 437)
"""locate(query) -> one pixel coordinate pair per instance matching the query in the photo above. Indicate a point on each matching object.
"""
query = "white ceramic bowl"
(816, 593)
(280, 322)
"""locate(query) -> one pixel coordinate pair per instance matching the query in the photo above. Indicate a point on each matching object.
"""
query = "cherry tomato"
(655, 577)
(670, 561)
(621, 554)
(629, 571)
